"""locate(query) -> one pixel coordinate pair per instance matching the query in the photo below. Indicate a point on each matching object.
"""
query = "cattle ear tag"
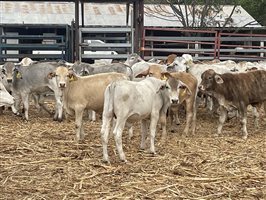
(183, 92)
(18, 75)
(72, 78)
(164, 77)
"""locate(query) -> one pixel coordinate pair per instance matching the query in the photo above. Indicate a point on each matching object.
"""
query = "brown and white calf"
(235, 90)
(187, 96)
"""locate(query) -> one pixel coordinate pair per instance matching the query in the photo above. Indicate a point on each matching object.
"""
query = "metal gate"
(39, 42)
(239, 46)
(105, 43)
(202, 44)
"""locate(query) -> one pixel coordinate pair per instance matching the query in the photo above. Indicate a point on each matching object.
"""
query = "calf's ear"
(19, 75)
(142, 74)
(161, 86)
(165, 75)
(72, 76)
(218, 79)
(184, 92)
(50, 75)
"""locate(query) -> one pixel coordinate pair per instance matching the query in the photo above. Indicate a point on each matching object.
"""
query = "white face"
(132, 59)
(3, 78)
(5, 97)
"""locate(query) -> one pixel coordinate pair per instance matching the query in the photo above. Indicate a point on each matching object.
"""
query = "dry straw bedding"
(40, 159)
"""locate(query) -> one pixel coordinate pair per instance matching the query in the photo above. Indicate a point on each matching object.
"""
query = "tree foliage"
(203, 13)
(256, 9)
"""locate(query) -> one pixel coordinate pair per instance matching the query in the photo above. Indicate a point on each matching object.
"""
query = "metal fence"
(51, 42)
(203, 44)
(237, 46)
(45, 43)
(105, 43)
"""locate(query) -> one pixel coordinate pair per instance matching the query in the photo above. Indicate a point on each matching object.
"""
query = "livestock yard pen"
(40, 159)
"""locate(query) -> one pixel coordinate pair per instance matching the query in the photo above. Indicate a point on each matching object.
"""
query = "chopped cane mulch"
(40, 159)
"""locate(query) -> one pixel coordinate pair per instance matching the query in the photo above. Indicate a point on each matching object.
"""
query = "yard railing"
(202, 44)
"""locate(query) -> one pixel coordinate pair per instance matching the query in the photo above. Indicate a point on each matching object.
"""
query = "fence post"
(262, 45)
(218, 44)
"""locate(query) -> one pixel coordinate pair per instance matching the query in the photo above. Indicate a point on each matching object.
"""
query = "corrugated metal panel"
(99, 14)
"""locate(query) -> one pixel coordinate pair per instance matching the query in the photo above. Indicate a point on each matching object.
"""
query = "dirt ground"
(40, 159)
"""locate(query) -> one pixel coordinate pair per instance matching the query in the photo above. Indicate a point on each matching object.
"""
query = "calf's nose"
(174, 101)
(201, 87)
(62, 85)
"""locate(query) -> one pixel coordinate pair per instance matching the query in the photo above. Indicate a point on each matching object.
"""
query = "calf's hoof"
(56, 118)
(153, 153)
(18, 114)
(123, 160)
(80, 140)
(106, 161)
(216, 135)
(245, 137)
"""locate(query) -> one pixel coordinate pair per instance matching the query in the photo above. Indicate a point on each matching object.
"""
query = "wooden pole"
(76, 30)
(82, 13)
(141, 24)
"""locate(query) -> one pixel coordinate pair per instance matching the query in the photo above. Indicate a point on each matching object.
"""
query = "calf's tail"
(108, 108)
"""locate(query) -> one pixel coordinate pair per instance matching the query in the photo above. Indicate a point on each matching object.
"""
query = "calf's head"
(154, 70)
(209, 79)
(179, 91)
(5, 97)
(132, 59)
(62, 76)
(81, 69)
(3, 78)
(170, 59)
(9, 69)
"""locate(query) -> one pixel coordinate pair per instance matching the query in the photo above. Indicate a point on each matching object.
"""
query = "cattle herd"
(136, 90)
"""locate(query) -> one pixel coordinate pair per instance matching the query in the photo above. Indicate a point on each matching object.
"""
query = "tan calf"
(169, 60)
(187, 96)
(154, 70)
(83, 93)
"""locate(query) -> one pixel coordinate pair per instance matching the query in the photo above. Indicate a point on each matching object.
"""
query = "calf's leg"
(243, 121)
(59, 110)
(105, 136)
(25, 100)
(143, 134)
(256, 116)
(118, 130)
(92, 115)
(222, 118)
(163, 124)
(130, 130)
(194, 118)
(153, 124)
(79, 123)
